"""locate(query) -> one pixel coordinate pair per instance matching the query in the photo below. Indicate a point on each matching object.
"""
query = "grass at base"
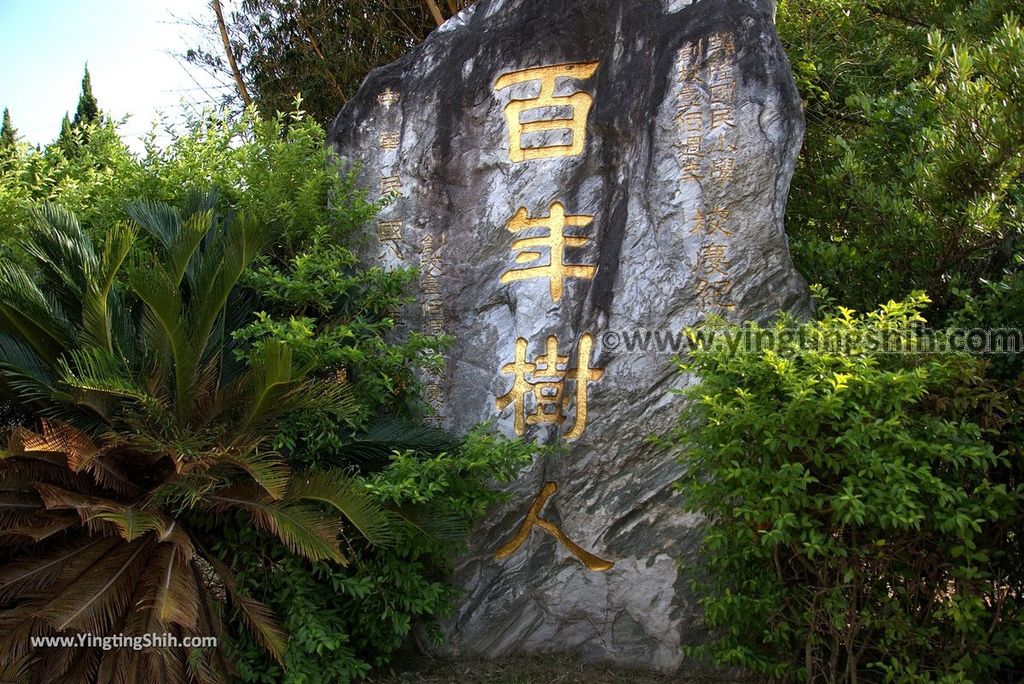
(553, 669)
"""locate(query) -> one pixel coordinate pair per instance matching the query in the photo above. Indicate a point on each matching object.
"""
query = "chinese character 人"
(533, 518)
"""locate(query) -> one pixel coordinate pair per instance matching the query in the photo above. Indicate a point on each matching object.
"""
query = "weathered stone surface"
(683, 161)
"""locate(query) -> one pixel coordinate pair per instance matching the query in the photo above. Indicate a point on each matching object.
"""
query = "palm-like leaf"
(157, 422)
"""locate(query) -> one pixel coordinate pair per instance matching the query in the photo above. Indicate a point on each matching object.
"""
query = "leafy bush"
(343, 621)
(911, 174)
(148, 425)
(863, 508)
(304, 296)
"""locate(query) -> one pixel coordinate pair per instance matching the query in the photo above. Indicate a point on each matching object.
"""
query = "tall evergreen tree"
(88, 111)
(8, 133)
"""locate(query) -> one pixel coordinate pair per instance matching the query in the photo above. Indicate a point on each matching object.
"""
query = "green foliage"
(912, 174)
(8, 137)
(313, 293)
(863, 508)
(321, 49)
(344, 621)
(154, 431)
(88, 111)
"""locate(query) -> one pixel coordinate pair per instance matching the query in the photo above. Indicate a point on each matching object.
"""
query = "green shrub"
(343, 621)
(911, 173)
(863, 508)
(305, 295)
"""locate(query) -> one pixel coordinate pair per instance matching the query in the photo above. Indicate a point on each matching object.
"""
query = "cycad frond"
(266, 468)
(258, 617)
(29, 378)
(303, 528)
(171, 595)
(97, 597)
(443, 526)
(64, 253)
(102, 372)
(388, 435)
(346, 495)
(179, 238)
(27, 313)
(97, 307)
(29, 575)
(55, 438)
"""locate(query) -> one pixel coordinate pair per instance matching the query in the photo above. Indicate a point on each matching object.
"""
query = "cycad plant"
(143, 425)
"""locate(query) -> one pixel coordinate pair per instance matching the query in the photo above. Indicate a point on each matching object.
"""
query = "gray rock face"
(570, 172)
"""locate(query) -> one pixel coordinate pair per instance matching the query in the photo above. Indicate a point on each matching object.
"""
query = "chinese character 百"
(544, 381)
(556, 270)
(578, 105)
(588, 559)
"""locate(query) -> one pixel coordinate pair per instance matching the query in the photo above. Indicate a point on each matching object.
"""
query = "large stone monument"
(568, 173)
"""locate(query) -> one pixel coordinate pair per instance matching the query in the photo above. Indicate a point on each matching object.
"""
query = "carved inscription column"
(548, 388)
(706, 113)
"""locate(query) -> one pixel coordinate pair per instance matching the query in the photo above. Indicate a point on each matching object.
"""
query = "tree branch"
(243, 92)
(435, 12)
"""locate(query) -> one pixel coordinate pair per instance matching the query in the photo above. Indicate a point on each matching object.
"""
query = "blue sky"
(44, 45)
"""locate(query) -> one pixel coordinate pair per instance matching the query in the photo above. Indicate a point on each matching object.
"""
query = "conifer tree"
(88, 111)
(8, 134)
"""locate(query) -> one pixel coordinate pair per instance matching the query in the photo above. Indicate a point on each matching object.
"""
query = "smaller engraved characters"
(588, 559)
(713, 285)
(577, 104)
(388, 98)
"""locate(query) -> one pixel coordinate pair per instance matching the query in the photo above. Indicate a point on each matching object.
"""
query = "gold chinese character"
(389, 184)
(719, 72)
(692, 145)
(689, 96)
(390, 230)
(430, 260)
(389, 141)
(721, 46)
(391, 246)
(692, 121)
(433, 393)
(430, 284)
(722, 117)
(711, 260)
(433, 315)
(691, 169)
(714, 292)
(721, 145)
(388, 98)
(724, 93)
(533, 518)
(578, 104)
(556, 270)
(688, 58)
(544, 381)
(714, 221)
(723, 169)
